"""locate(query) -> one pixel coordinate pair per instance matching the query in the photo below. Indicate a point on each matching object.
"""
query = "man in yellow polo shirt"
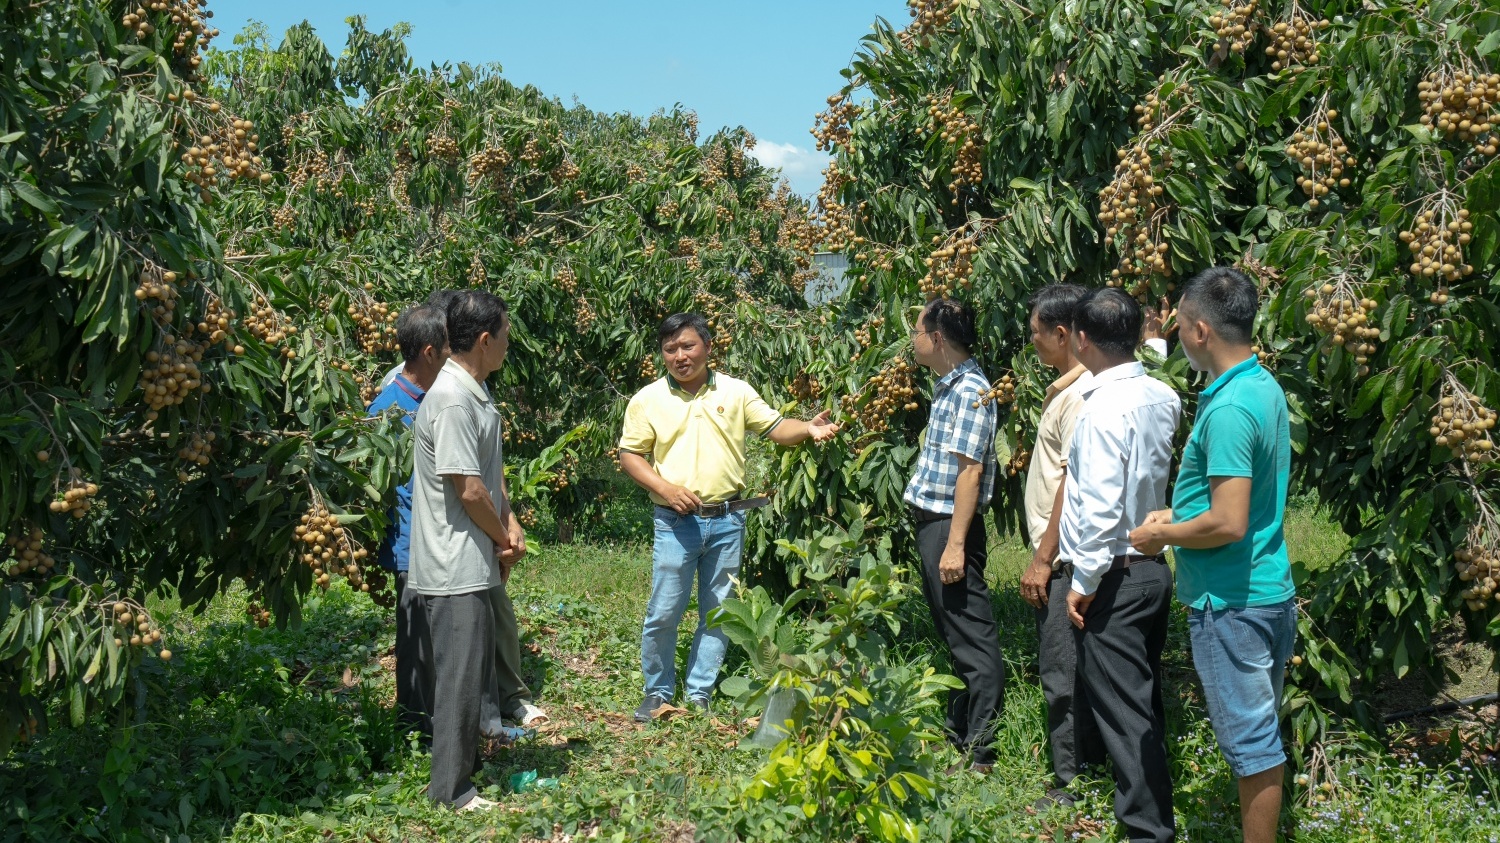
(684, 443)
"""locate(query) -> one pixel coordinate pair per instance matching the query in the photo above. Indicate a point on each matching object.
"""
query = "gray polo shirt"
(457, 432)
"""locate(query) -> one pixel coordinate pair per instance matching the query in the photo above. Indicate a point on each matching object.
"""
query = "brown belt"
(1120, 563)
(723, 508)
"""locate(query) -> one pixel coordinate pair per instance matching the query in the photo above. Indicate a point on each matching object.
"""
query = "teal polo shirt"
(1242, 431)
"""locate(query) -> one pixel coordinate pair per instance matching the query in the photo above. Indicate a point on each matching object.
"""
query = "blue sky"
(768, 65)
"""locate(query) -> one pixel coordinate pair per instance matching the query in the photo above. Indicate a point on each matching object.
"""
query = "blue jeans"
(1241, 655)
(687, 545)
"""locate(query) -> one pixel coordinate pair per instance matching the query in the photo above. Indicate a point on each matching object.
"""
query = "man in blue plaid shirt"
(953, 483)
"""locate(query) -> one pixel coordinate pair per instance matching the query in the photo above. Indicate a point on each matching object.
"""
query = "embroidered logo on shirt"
(721, 411)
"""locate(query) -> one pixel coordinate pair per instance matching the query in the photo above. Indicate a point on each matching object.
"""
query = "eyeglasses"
(915, 333)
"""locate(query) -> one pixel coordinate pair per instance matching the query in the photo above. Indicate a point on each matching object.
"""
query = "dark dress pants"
(964, 618)
(1120, 646)
(413, 661)
(1071, 732)
(461, 628)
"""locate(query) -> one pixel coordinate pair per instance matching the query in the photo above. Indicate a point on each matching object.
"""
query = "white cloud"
(801, 166)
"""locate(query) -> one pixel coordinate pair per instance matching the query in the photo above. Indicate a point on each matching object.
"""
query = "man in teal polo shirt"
(1225, 523)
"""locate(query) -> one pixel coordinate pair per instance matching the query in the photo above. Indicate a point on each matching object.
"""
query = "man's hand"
(1148, 538)
(681, 500)
(517, 540)
(822, 428)
(1160, 321)
(1078, 607)
(1034, 581)
(951, 566)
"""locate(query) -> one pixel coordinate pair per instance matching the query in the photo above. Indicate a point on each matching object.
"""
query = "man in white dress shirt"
(1118, 466)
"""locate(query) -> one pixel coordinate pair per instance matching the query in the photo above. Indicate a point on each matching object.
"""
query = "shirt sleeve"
(1228, 438)
(455, 442)
(1068, 406)
(759, 417)
(1100, 449)
(1158, 345)
(637, 436)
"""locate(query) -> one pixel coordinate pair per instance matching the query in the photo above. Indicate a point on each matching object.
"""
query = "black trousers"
(413, 660)
(963, 616)
(1119, 651)
(461, 628)
(1072, 734)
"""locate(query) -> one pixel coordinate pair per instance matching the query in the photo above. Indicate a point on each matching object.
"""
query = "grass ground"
(260, 735)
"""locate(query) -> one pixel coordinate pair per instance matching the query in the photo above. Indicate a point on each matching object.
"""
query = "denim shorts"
(1241, 654)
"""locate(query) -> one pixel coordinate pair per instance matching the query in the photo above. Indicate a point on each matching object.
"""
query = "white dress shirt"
(1118, 465)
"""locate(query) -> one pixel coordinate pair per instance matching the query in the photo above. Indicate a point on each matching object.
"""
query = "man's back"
(1119, 460)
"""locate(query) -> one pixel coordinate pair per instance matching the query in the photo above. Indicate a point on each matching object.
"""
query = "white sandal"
(530, 715)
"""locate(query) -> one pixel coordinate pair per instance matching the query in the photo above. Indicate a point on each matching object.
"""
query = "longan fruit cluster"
(565, 473)
(190, 17)
(1339, 311)
(584, 315)
(566, 171)
(1020, 460)
(28, 554)
(805, 387)
(955, 127)
(232, 154)
(400, 177)
(666, 210)
(833, 128)
(712, 168)
(835, 228)
(284, 218)
(135, 627)
(1436, 242)
(929, 16)
(329, 548)
(1236, 25)
(172, 373)
(259, 615)
(531, 152)
(865, 334)
(155, 284)
(268, 326)
(374, 324)
(895, 389)
(567, 280)
(216, 322)
(1294, 41)
(197, 451)
(443, 147)
(1478, 564)
(76, 499)
(951, 265)
(1462, 103)
(312, 167)
(1317, 148)
(381, 594)
(635, 173)
(1129, 209)
(1462, 424)
(1002, 391)
(489, 163)
(1159, 104)
(647, 368)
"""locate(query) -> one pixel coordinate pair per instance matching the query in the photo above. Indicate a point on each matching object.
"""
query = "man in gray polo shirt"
(463, 536)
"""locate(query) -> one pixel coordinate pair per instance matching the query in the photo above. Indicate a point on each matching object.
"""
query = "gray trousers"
(1071, 732)
(462, 633)
(504, 692)
(505, 695)
(1124, 633)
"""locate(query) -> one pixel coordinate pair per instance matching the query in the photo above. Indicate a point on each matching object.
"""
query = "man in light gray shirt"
(464, 537)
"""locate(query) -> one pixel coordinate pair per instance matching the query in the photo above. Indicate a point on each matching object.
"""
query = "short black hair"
(418, 327)
(1225, 298)
(440, 298)
(1111, 319)
(951, 318)
(1054, 303)
(673, 325)
(470, 314)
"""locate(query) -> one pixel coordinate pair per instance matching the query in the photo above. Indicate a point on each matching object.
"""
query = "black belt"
(723, 508)
(922, 516)
(1120, 563)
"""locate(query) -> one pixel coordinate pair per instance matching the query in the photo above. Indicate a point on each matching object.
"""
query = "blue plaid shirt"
(955, 427)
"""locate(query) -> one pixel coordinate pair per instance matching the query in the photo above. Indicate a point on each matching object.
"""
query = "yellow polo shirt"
(697, 441)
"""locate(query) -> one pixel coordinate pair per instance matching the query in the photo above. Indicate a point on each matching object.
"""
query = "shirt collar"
(1067, 380)
(672, 382)
(1240, 368)
(409, 387)
(970, 365)
(1124, 371)
(466, 380)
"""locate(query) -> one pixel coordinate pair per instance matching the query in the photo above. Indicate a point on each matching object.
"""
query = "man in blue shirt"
(422, 335)
(1226, 524)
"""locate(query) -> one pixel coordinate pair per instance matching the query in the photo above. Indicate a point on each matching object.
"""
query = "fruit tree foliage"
(1322, 147)
(204, 252)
